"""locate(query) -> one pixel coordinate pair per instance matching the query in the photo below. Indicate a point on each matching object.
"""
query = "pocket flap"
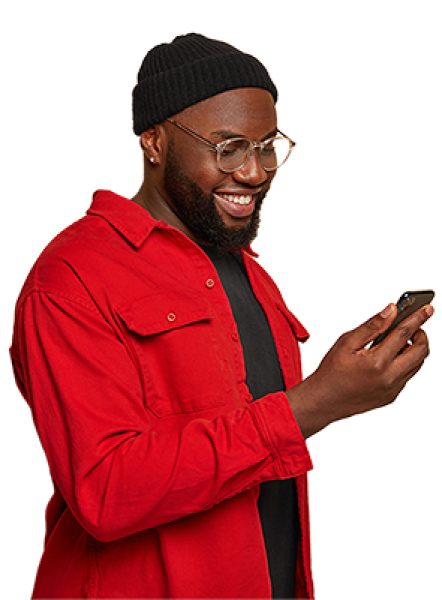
(157, 313)
(298, 328)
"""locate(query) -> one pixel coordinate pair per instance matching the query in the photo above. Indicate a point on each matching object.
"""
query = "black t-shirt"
(277, 503)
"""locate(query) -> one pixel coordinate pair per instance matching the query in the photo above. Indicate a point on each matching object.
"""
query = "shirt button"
(171, 317)
(235, 336)
(249, 397)
(210, 283)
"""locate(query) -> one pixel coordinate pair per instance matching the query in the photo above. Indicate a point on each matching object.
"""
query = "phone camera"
(409, 302)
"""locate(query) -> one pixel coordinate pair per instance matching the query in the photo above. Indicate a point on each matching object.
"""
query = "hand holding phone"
(351, 379)
(407, 304)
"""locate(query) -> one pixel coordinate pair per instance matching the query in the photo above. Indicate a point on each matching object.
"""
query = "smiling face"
(200, 213)
(183, 184)
(219, 208)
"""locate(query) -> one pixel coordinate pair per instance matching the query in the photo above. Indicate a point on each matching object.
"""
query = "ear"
(152, 142)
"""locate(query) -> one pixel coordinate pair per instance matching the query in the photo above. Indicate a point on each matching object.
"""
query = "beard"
(198, 211)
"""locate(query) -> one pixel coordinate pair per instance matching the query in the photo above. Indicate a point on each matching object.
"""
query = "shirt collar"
(129, 218)
(250, 252)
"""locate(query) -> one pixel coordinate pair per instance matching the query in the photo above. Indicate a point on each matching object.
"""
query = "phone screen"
(407, 304)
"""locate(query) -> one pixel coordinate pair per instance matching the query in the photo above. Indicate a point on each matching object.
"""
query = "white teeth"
(237, 199)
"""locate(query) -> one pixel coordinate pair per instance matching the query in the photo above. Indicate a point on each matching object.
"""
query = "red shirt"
(127, 352)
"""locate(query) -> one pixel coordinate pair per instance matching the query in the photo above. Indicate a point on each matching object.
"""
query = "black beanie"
(192, 68)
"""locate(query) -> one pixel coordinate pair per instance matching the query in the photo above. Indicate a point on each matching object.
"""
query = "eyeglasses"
(232, 154)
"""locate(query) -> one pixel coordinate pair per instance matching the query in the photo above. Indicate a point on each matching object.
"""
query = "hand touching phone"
(352, 378)
(407, 304)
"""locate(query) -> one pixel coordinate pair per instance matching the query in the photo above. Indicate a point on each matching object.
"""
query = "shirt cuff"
(280, 432)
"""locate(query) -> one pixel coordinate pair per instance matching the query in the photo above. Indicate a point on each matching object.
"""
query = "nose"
(251, 173)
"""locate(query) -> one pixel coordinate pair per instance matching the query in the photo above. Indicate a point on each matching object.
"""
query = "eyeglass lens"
(236, 152)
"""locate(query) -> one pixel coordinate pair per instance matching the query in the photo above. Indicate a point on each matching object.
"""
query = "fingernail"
(386, 312)
(429, 310)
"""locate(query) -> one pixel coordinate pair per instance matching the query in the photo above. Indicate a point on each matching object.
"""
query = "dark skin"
(350, 379)
(254, 117)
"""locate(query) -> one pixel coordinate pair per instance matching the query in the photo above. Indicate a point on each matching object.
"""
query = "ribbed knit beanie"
(192, 68)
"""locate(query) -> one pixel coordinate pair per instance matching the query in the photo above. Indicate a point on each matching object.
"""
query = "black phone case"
(407, 304)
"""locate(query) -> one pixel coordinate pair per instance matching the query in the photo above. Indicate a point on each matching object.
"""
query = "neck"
(153, 200)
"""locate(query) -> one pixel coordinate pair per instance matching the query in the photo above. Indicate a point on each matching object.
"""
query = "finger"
(419, 337)
(369, 331)
(410, 360)
(406, 330)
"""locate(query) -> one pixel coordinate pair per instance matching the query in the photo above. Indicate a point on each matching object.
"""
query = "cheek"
(205, 173)
(270, 177)
(199, 164)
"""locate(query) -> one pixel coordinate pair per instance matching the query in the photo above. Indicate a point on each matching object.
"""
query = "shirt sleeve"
(117, 475)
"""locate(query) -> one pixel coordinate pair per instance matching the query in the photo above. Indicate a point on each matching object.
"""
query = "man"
(162, 365)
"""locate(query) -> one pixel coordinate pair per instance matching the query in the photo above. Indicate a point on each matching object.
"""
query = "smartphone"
(407, 304)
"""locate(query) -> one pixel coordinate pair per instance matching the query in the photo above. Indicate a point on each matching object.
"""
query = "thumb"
(389, 312)
(369, 331)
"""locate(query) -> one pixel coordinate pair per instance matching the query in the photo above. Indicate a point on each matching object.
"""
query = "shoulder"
(59, 268)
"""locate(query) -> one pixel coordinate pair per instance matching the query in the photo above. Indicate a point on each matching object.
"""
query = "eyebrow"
(226, 134)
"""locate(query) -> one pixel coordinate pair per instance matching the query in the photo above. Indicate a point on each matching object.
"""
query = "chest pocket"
(179, 347)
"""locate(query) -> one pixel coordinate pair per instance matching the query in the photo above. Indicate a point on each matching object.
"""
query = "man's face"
(218, 208)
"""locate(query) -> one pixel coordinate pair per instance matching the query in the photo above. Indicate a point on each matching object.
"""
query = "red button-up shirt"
(127, 352)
